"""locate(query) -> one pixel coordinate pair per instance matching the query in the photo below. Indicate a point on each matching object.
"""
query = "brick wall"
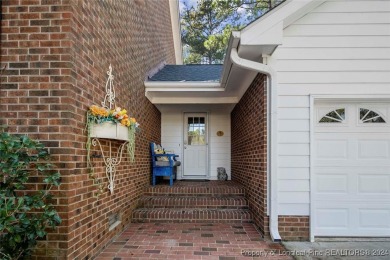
(249, 149)
(57, 53)
(249, 161)
(294, 228)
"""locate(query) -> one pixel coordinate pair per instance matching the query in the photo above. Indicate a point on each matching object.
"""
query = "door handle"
(185, 146)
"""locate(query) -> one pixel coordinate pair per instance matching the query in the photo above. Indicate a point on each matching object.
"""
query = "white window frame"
(370, 108)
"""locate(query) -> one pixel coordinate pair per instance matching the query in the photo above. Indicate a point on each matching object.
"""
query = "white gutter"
(182, 86)
(273, 129)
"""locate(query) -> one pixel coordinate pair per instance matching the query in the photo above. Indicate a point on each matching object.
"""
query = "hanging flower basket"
(110, 130)
(111, 124)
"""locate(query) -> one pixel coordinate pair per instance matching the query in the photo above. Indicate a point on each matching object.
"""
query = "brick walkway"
(220, 241)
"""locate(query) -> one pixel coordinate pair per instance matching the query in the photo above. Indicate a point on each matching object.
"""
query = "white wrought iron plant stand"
(110, 161)
(110, 131)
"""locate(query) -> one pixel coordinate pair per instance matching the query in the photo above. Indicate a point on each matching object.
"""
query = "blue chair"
(163, 164)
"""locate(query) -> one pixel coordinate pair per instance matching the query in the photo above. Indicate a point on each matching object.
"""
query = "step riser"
(190, 221)
(195, 202)
(193, 191)
(190, 216)
(185, 202)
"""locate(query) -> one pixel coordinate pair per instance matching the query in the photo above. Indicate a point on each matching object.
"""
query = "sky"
(188, 2)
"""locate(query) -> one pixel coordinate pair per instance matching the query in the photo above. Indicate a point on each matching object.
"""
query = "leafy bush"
(25, 214)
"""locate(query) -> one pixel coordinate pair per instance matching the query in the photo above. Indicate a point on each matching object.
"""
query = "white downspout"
(272, 147)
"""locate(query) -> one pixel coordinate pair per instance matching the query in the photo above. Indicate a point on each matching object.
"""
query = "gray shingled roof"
(195, 72)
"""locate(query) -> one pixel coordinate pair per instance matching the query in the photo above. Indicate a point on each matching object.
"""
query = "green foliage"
(203, 27)
(193, 58)
(24, 214)
(206, 28)
(249, 9)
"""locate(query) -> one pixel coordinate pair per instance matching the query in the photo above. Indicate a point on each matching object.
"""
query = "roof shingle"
(193, 72)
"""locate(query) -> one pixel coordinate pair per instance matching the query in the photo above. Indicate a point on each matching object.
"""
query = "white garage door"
(351, 167)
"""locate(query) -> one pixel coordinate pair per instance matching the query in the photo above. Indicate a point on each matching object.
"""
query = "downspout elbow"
(251, 65)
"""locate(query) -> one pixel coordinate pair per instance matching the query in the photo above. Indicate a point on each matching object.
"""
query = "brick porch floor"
(190, 241)
(192, 220)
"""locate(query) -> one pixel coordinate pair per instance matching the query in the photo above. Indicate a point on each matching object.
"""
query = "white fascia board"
(193, 100)
(234, 40)
(181, 89)
(175, 21)
(268, 29)
(167, 86)
(302, 12)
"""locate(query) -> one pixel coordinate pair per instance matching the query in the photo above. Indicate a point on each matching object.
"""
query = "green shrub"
(24, 214)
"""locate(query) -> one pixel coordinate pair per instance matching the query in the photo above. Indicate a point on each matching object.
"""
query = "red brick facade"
(294, 228)
(249, 148)
(249, 161)
(56, 54)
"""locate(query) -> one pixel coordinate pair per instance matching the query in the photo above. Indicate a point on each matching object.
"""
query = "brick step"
(208, 188)
(192, 215)
(197, 202)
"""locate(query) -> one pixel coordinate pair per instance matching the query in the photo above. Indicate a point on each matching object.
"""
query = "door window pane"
(196, 131)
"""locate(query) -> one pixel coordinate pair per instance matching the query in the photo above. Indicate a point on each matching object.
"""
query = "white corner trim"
(273, 127)
(312, 180)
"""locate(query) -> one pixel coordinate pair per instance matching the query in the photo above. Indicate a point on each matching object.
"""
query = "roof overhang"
(255, 41)
(182, 86)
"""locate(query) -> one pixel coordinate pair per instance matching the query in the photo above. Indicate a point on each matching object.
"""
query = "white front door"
(351, 167)
(195, 146)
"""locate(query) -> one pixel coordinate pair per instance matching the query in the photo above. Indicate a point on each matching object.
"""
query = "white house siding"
(219, 146)
(341, 47)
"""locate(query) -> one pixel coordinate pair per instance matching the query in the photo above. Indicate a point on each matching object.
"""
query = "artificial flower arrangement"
(117, 115)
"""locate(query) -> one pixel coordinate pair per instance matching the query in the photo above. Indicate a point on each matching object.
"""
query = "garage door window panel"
(370, 116)
(334, 116)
